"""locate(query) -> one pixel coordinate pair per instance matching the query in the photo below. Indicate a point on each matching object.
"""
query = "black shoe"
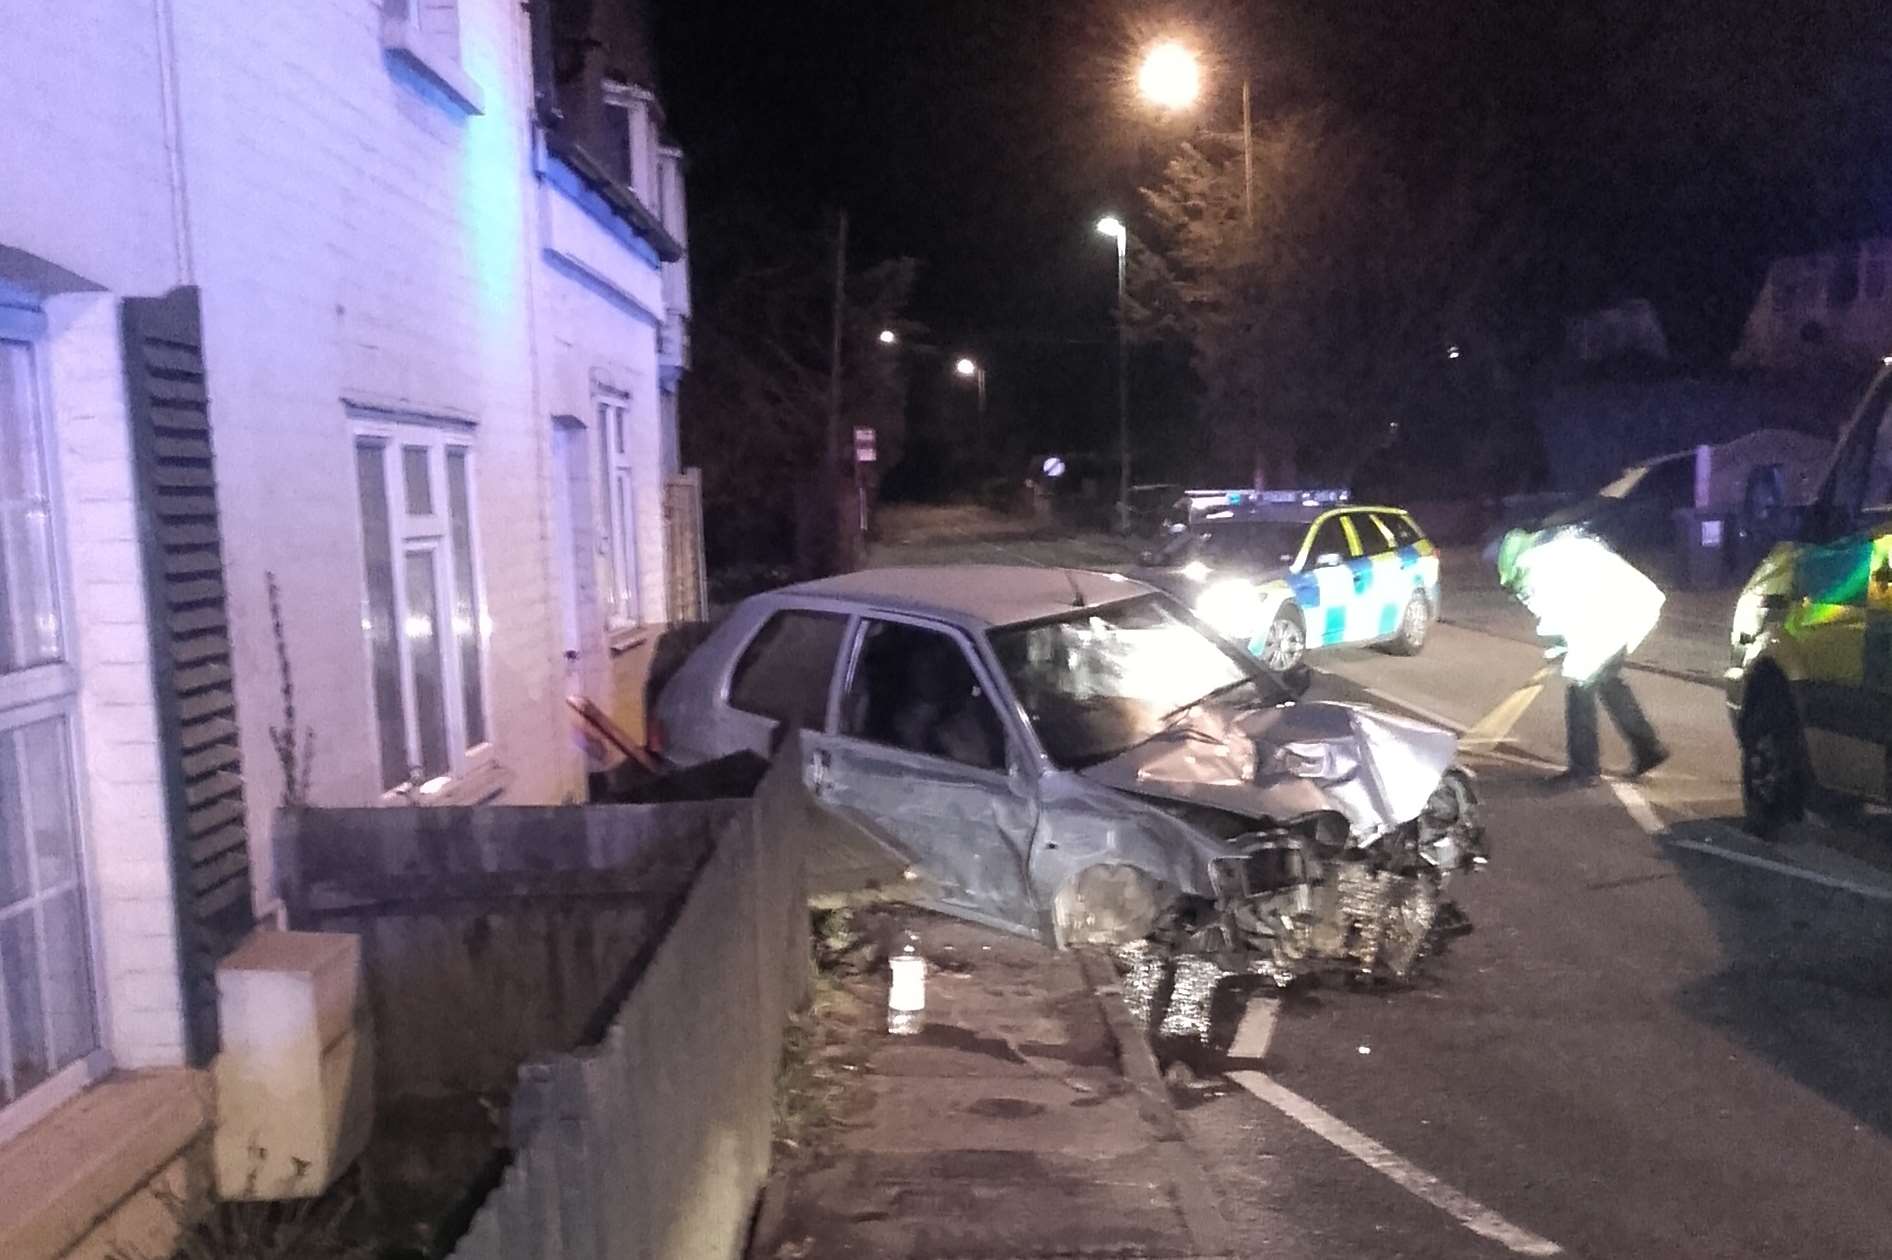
(1569, 780)
(1644, 762)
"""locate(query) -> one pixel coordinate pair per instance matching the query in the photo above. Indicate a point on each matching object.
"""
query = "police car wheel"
(1415, 624)
(1286, 641)
(1774, 772)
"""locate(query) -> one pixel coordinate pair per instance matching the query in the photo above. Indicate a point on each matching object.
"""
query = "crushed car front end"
(1296, 838)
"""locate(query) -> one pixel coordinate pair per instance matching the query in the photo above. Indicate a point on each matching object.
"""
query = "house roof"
(975, 594)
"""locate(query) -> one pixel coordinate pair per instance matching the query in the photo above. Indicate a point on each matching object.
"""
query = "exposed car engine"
(1314, 896)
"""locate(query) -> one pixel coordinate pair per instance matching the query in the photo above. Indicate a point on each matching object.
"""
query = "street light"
(888, 336)
(970, 369)
(1170, 78)
(1110, 225)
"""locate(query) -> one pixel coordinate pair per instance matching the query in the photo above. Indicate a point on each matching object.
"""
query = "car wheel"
(1285, 642)
(1775, 776)
(1415, 624)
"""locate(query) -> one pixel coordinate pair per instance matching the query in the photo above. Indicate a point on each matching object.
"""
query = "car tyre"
(1775, 774)
(1285, 642)
(1415, 626)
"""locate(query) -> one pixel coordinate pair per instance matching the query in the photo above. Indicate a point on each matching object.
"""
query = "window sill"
(67, 1173)
(621, 639)
(478, 784)
(406, 46)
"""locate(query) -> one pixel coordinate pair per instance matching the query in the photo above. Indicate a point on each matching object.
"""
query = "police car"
(1283, 571)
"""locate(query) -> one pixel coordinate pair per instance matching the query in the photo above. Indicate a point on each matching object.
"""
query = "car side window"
(913, 688)
(786, 670)
(1375, 538)
(1404, 533)
(1329, 540)
(1862, 476)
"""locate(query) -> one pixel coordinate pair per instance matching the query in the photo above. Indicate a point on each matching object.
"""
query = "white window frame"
(431, 535)
(50, 692)
(426, 36)
(624, 604)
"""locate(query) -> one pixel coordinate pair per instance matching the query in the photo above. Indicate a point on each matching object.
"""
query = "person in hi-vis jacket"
(1596, 608)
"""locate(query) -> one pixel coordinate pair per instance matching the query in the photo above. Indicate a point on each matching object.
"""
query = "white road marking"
(1467, 1211)
(1256, 1031)
(1438, 719)
(1637, 806)
(1786, 868)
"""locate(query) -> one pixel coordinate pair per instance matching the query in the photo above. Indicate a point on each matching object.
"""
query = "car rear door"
(781, 679)
(1326, 588)
(917, 751)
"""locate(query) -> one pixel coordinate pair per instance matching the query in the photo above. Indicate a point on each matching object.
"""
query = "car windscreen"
(1103, 680)
(1266, 544)
(1236, 544)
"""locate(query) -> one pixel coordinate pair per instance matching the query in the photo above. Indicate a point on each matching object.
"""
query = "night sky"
(1662, 148)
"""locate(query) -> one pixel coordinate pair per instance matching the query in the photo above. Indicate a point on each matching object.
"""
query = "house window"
(48, 1022)
(425, 36)
(423, 612)
(620, 500)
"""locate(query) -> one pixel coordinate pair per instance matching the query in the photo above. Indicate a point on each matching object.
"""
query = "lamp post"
(1170, 78)
(1110, 225)
(974, 371)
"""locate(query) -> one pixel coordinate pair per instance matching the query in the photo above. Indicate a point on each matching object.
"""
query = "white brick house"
(427, 305)
(1822, 310)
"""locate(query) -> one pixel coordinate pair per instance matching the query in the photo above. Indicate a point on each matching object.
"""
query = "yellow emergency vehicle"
(1810, 680)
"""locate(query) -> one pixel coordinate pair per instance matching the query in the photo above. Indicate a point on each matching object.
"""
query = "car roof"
(1292, 514)
(973, 594)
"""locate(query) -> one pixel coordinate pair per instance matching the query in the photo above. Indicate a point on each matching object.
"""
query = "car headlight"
(1232, 607)
(1196, 571)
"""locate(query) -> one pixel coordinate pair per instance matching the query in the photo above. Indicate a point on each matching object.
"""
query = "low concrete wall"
(490, 934)
(652, 1140)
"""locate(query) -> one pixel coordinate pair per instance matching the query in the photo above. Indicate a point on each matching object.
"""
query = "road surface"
(1663, 1039)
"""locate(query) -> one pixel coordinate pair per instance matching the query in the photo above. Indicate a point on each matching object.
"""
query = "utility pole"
(1248, 163)
(830, 480)
(1123, 390)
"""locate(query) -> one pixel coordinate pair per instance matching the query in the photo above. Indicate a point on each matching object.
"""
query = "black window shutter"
(190, 644)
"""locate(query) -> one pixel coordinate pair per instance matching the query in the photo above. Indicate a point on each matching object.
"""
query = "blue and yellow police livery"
(1287, 570)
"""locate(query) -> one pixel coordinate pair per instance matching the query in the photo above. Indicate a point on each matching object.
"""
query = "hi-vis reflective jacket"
(1588, 596)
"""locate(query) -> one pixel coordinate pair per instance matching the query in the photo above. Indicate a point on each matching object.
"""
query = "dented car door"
(918, 751)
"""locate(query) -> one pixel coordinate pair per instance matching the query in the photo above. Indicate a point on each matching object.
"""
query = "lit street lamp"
(971, 370)
(1170, 78)
(888, 336)
(1110, 225)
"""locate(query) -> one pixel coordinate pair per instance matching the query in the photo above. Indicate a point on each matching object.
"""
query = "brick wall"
(125, 817)
(361, 239)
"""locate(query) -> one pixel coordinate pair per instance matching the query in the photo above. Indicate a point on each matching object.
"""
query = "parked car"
(1075, 756)
(1809, 682)
(1150, 507)
(1283, 571)
(1752, 481)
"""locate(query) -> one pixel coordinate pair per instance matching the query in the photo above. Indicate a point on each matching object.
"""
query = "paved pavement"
(1026, 1121)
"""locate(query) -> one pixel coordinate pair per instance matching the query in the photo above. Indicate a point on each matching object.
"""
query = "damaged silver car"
(1074, 756)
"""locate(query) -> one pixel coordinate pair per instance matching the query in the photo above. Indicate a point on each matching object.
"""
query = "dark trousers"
(1580, 718)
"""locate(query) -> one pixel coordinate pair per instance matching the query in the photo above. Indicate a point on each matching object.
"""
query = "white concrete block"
(295, 1079)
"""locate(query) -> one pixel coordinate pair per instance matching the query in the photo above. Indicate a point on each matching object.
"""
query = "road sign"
(865, 451)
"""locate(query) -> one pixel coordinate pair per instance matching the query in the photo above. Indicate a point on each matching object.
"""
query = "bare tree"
(756, 402)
